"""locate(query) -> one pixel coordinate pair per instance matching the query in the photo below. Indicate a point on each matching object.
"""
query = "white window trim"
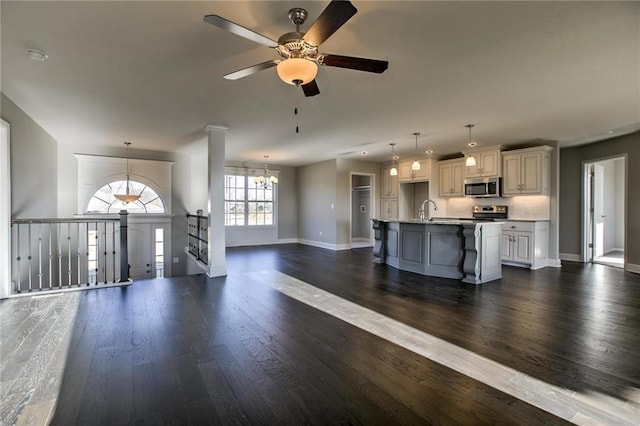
(245, 235)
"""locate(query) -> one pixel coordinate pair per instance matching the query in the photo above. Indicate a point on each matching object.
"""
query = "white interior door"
(598, 210)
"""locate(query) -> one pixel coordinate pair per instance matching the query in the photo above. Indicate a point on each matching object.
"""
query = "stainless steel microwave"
(483, 187)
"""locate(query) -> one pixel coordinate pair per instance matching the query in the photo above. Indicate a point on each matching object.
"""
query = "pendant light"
(129, 196)
(265, 181)
(471, 160)
(415, 166)
(394, 170)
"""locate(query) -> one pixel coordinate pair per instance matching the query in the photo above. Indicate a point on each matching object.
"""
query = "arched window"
(104, 201)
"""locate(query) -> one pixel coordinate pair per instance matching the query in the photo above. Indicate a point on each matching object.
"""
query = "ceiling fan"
(299, 51)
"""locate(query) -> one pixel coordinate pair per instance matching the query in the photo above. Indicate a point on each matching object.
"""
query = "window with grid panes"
(247, 204)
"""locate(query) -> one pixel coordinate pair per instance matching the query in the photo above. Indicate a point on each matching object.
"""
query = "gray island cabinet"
(467, 250)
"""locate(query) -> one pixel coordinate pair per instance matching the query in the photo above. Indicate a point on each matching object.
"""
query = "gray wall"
(571, 191)
(316, 196)
(34, 185)
(287, 203)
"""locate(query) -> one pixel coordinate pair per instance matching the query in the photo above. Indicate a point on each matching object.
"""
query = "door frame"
(372, 203)
(5, 209)
(587, 217)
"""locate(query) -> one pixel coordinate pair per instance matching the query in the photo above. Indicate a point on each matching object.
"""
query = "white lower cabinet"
(525, 243)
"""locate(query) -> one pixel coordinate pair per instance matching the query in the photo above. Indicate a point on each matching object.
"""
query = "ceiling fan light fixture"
(297, 71)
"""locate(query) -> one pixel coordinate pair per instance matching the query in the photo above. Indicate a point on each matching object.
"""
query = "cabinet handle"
(513, 227)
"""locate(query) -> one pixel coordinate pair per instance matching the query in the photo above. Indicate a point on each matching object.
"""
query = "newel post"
(124, 252)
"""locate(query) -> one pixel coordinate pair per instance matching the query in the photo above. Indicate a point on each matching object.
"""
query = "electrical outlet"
(176, 260)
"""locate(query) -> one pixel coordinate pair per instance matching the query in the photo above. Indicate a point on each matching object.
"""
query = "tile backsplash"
(524, 207)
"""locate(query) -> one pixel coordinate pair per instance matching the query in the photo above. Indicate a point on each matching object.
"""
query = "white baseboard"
(323, 245)
(554, 263)
(571, 257)
(632, 268)
(286, 241)
(220, 271)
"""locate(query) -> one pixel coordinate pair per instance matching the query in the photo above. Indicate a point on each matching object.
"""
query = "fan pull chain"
(295, 112)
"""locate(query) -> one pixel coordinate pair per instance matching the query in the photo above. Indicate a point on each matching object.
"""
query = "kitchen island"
(464, 249)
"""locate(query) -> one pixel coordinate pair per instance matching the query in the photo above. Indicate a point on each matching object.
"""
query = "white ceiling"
(151, 73)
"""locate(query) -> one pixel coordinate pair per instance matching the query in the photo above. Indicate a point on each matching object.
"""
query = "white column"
(215, 203)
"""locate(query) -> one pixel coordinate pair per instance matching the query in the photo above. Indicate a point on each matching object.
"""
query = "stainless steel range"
(490, 212)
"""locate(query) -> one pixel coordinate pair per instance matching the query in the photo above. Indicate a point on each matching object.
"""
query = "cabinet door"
(489, 163)
(531, 173)
(445, 182)
(511, 175)
(506, 247)
(389, 208)
(404, 172)
(424, 173)
(522, 247)
(389, 183)
(473, 171)
(457, 179)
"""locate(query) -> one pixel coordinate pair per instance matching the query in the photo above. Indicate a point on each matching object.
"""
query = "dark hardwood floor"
(192, 350)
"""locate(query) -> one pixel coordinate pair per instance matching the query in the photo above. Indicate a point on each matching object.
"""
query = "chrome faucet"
(421, 212)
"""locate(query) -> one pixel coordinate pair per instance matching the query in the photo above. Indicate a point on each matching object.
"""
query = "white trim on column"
(216, 146)
(5, 210)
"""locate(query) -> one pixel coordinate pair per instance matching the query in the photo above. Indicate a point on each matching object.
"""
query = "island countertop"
(440, 221)
(457, 248)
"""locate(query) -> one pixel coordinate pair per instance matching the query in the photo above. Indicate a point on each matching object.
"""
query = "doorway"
(361, 210)
(604, 211)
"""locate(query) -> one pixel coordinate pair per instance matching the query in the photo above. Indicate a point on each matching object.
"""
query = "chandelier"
(129, 196)
(265, 181)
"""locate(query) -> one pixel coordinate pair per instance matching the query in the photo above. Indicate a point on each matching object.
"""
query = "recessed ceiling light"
(610, 131)
(429, 152)
(472, 143)
(37, 55)
(363, 153)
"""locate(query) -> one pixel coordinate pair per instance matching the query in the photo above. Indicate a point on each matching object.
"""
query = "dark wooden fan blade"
(251, 70)
(225, 24)
(360, 64)
(311, 88)
(332, 17)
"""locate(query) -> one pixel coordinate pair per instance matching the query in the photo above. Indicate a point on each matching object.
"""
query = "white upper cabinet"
(389, 183)
(487, 164)
(526, 171)
(405, 174)
(451, 177)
